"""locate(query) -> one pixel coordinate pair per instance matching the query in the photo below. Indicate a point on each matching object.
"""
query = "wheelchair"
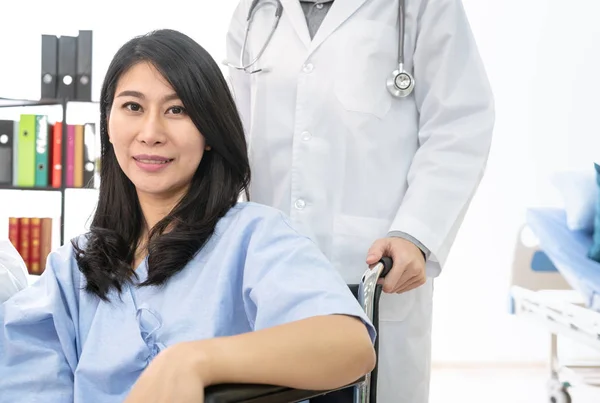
(363, 390)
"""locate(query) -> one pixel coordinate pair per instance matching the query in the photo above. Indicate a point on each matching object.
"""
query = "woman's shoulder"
(60, 280)
(63, 262)
(254, 227)
(252, 216)
(67, 252)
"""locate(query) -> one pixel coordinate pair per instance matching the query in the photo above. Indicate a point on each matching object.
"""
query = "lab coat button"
(308, 67)
(306, 136)
(300, 204)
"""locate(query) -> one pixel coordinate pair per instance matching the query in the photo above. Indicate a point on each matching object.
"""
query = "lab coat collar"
(293, 10)
(340, 11)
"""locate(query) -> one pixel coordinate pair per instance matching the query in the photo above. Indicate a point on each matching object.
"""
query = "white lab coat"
(348, 162)
(13, 272)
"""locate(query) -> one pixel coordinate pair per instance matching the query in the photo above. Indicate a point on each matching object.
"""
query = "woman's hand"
(177, 374)
(327, 351)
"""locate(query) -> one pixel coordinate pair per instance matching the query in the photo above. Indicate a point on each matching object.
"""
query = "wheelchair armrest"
(238, 393)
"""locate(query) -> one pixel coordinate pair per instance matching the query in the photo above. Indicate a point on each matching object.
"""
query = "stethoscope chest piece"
(400, 83)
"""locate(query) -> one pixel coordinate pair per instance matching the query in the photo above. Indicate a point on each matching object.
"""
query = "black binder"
(7, 130)
(49, 66)
(83, 85)
(67, 66)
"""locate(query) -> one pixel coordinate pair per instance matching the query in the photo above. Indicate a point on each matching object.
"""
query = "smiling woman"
(156, 144)
(177, 285)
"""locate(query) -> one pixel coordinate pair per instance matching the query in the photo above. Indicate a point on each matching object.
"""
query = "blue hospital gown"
(60, 344)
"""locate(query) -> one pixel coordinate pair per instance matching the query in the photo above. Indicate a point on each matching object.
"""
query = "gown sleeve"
(287, 278)
(38, 353)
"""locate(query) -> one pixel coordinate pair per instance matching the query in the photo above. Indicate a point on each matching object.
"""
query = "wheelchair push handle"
(387, 266)
(369, 282)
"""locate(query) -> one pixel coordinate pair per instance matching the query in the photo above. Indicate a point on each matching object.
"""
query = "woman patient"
(177, 286)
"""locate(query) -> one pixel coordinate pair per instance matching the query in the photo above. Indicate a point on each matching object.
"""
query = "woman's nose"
(152, 130)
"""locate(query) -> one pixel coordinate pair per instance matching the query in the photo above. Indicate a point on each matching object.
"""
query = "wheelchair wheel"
(560, 394)
(560, 397)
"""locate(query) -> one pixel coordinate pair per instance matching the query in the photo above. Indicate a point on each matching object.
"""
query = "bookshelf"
(64, 103)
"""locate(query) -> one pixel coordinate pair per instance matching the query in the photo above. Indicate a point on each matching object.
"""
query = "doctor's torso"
(329, 145)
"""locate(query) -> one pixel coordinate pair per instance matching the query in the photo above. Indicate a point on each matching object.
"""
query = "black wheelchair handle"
(387, 265)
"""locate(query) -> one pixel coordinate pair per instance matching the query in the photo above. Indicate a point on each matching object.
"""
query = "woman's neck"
(155, 208)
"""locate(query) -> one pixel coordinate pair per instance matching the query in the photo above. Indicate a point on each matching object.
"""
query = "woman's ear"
(107, 126)
(207, 148)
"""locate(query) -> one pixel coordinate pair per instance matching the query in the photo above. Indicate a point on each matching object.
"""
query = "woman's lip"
(152, 166)
(151, 157)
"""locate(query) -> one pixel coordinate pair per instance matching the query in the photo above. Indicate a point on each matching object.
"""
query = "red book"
(35, 236)
(46, 241)
(13, 231)
(24, 241)
(56, 155)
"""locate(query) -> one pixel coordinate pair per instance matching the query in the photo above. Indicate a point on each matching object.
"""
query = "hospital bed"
(361, 391)
(560, 290)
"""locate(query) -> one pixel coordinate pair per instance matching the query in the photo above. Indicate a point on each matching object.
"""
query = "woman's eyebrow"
(137, 94)
(130, 93)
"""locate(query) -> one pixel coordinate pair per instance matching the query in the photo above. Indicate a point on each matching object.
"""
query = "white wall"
(541, 59)
(113, 21)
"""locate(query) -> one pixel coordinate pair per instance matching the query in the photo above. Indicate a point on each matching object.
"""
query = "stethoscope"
(400, 83)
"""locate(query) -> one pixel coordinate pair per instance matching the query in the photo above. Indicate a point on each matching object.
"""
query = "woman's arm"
(309, 331)
(319, 353)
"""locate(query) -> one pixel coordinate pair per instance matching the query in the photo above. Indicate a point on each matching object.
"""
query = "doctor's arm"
(37, 341)
(456, 110)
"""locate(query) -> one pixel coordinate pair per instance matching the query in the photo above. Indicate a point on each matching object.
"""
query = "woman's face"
(156, 143)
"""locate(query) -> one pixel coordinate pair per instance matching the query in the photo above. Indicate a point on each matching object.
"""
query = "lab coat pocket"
(352, 238)
(396, 307)
(367, 58)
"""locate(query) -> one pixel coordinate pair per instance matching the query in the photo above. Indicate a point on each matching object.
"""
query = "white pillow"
(13, 272)
(579, 193)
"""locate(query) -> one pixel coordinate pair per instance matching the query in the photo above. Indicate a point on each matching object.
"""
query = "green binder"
(26, 151)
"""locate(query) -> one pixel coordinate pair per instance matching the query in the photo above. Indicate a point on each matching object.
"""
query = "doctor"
(366, 162)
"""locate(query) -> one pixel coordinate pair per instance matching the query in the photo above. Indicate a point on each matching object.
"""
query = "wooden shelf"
(7, 102)
(12, 103)
(46, 188)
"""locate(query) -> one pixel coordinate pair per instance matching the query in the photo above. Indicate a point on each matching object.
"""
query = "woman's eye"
(177, 110)
(132, 107)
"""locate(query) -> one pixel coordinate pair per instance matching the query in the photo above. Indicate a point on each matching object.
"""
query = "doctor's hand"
(408, 270)
(174, 375)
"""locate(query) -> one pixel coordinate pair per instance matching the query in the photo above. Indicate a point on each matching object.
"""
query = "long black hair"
(223, 174)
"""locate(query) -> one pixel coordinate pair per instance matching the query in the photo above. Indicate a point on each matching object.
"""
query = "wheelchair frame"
(368, 293)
